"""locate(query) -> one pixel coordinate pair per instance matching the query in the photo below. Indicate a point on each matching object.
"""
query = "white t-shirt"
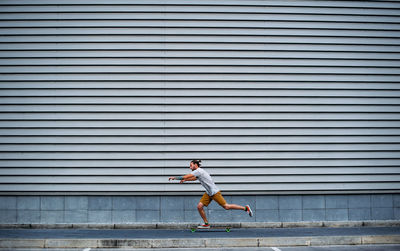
(206, 181)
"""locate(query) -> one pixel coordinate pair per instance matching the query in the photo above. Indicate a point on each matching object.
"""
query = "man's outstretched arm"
(187, 177)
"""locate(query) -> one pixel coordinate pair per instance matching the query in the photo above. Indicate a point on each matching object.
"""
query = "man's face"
(192, 166)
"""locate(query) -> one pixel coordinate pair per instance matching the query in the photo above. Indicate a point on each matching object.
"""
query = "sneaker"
(248, 210)
(204, 226)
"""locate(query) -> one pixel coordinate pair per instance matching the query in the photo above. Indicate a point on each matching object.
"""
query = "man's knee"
(200, 206)
(226, 207)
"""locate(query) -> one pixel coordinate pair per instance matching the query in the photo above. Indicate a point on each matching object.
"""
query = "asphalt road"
(325, 248)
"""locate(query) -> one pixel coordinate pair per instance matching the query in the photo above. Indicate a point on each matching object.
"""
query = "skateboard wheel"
(227, 230)
(193, 230)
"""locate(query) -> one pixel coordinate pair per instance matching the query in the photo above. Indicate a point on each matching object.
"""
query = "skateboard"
(226, 229)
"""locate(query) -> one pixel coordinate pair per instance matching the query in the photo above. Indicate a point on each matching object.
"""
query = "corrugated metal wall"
(274, 96)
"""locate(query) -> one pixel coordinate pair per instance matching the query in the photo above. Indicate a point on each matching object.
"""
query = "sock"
(246, 209)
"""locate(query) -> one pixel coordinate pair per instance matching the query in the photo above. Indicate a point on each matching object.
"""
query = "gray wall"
(132, 209)
(275, 96)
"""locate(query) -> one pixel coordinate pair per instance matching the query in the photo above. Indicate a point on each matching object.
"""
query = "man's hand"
(187, 177)
(176, 178)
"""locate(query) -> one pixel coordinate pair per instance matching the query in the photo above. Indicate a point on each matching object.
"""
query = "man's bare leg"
(202, 213)
(233, 206)
(237, 207)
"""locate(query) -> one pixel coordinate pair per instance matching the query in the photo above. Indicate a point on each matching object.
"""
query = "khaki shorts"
(206, 199)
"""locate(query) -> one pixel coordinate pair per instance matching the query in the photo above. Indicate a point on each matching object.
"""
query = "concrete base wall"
(150, 209)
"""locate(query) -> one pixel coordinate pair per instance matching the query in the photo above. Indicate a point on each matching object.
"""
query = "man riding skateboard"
(212, 191)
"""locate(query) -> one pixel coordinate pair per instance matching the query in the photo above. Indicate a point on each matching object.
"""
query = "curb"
(200, 243)
(303, 224)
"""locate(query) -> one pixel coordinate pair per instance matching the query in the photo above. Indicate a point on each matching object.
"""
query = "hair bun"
(197, 161)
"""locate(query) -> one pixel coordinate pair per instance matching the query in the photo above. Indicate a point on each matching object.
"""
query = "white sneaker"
(248, 210)
(203, 226)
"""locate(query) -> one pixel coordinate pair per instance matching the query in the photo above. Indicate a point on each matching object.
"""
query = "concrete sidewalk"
(184, 238)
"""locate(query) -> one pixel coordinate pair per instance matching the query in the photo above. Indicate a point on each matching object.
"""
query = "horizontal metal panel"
(183, 93)
(129, 116)
(217, 172)
(364, 18)
(201, 101)
(200, 62)
(329, 53)
(198, 70)
(179, 166)
(203, 31)
(219, 180)
(197, 148)
(238, 47)
(196, 85)
(200, 77)
(189, 108)
(199, 9)
(168, 39)
(163, 139)
(196, 124)
(196, 187)
(199, 131)
(201, 39)
(336, 4)
(203, 155)
(198, 23)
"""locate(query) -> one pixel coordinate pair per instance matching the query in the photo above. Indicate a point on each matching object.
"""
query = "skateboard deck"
(226, 229)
